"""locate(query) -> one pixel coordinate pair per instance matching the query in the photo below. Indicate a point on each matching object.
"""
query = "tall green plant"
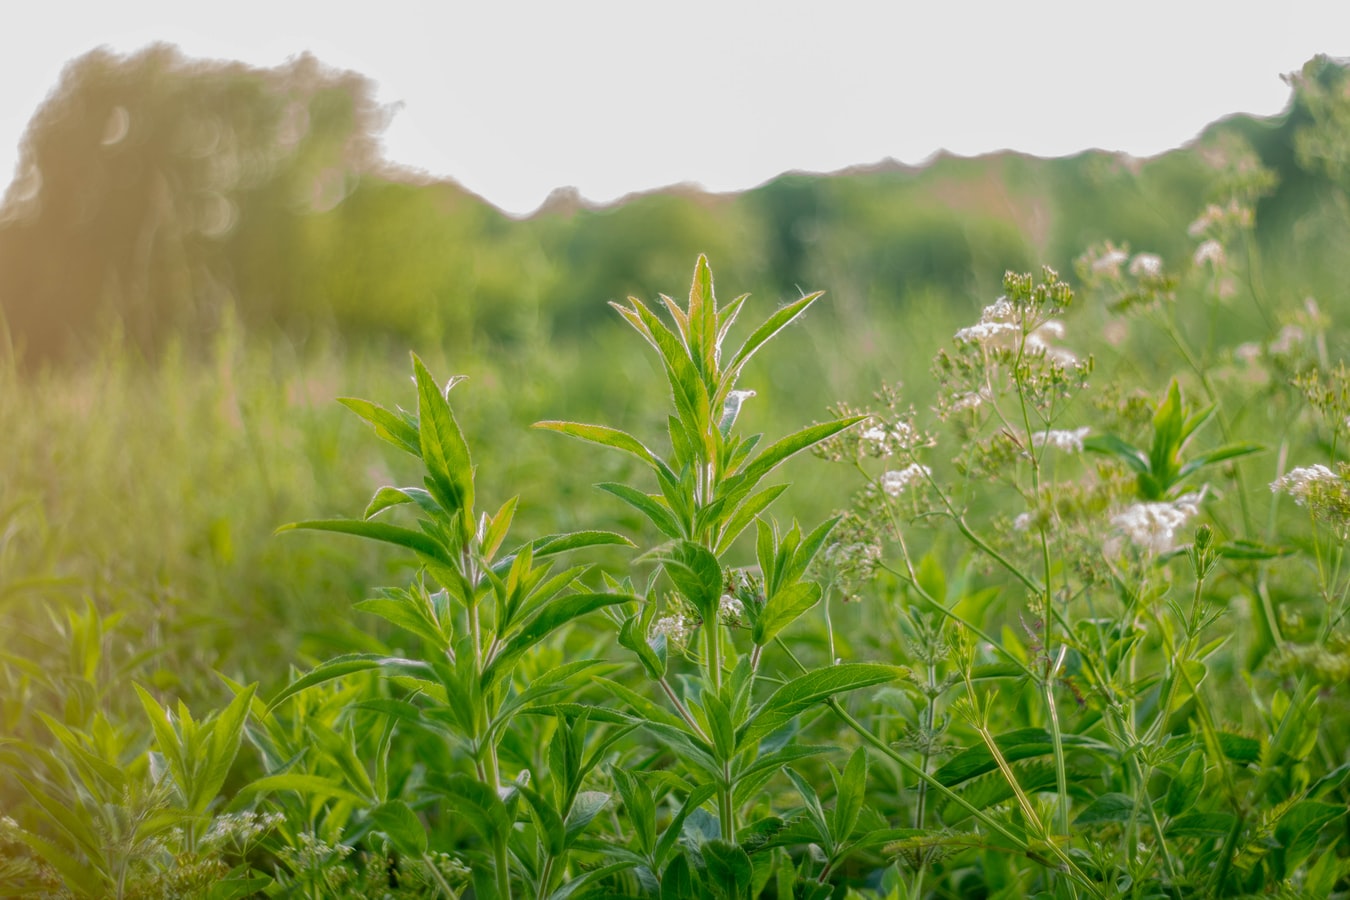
(710, 488)
(476, 611)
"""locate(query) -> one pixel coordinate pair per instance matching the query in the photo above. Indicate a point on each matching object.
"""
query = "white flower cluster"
(242, 827)
(895, 483)
(676, 629)
(862, 554)
(1110, 261)
(1038, 342)
(730, 607)
(1214, 215)
(968, 400)
(1287, 340)
(996, 322)
(1146, 264)
(1068, 441)
(1210, 251)
(1152, 527)
(1301, 482)
(882, 441)
(998, 328)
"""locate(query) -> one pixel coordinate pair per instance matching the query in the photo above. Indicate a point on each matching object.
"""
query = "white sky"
(514, 99)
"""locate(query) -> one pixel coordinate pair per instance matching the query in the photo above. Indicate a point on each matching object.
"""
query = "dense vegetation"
(1065, 614)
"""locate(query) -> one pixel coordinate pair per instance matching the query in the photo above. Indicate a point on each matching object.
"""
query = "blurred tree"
(154, 189)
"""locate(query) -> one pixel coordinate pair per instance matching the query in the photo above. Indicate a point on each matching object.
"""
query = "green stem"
(683, 710)
(725, 804)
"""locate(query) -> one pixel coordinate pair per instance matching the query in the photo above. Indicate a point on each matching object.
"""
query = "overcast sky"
(514, 99)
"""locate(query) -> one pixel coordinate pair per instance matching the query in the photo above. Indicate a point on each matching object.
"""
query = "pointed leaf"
(794, 443)
(806, 691)
(656, 511)
(389, 426)
(444, 451)
(400, 824)
(603, 435)
(764, 333)
(697, 575)
(417, 541)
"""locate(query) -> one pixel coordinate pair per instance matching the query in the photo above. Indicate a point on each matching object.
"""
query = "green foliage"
(1006, 667)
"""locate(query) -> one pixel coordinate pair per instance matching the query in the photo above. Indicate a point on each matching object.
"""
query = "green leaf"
(384, 498)
(1110, 807)
(312, 786)
(497, 527)
(633, 635)
(1022, 743)
(1240, 748)
(703, 321)
(639, 807)
(1251, 550)
(89, 876)
(337, 668)
(400, 824)
(656, 511)
(1201, 825)
(850, 790)
(553, 544)
(548, 620)
(729, 868)
(807, 690)
(585, 808)
(1226, 452)
(767, 460)
(603, 435)
(720, 729)
(444, 451)
(1186, 785)
(390, 427)
(478, 803)
(1111, 445)
(402, 608)
(697, 575)
(589, 878)
(784, 608)
(417, 541)
(1298, 828)
(697, 797)
(227, 731)
(745, 513)
(780, 319)
(552, 833)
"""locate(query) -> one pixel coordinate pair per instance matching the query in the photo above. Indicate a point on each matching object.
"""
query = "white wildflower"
(1149, 264)
(1284, 342)
(1210, 251)
(1248, 353)
(894, 483)
(843, 555)
(1001, 310)
(1068, 441)
(970, 400)
(1038, 342)
(1207, 218)
(1110, 261)
(1023, 521)
(985, 332)
(1153, 526)
(1299, 483)
(674, 628)
(730, 607)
